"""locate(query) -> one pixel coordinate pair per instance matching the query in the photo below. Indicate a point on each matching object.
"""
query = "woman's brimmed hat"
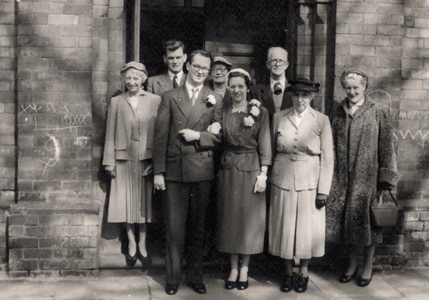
(304, 85)
(134, 65)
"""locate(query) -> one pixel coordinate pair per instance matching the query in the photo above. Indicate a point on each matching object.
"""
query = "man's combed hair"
(202, 53)
(173, 45)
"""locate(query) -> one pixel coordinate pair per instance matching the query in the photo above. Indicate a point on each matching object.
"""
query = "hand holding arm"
(321, 200)
(110, 170)
(190, 135)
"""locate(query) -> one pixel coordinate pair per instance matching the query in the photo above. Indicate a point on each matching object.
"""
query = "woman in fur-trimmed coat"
(364, 162)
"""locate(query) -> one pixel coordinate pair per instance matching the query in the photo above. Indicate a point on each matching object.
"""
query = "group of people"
(272, 145)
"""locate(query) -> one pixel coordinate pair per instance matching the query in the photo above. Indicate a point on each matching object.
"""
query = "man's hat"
(218, 58)
(134, 65)
(304, 85)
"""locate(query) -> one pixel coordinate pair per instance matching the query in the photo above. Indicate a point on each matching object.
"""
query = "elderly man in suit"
(174, 58)
(275, 95)
(183, 167)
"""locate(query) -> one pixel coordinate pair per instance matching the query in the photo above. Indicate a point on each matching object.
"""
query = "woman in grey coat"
(364, 162)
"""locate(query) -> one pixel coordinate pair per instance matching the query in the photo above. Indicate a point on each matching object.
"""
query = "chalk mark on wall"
(418, 136)
(30, 108)
(410, 115)
(81, 141)
(381, 96)
(52, 145)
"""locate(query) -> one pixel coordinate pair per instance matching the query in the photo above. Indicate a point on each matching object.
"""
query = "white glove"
(214, 128)
(159, 182)
(261, 183)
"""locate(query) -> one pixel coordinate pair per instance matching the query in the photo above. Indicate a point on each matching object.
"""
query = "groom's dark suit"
(189, 171)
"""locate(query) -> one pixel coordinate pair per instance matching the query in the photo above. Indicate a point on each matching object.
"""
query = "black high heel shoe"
(131, 260)
(362, 282)
(347, 278)
(229, 285)
(146, 261)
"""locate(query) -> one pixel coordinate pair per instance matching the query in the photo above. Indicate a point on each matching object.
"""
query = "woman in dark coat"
(128, 159)
(242, 178)
(364, 162)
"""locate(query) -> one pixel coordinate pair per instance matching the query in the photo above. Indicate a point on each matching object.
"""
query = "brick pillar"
(7, 117)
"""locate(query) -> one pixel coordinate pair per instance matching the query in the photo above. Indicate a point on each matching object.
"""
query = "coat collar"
(366, 104)
(311, 113)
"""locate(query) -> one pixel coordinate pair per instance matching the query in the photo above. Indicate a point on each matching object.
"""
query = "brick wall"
(47, 239)
(388, 40)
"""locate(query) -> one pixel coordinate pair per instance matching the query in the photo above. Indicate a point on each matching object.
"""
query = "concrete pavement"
(119, 284)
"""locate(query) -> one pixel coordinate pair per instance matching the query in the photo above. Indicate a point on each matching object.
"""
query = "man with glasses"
(183, 167)
(274, 95)
(174, 58)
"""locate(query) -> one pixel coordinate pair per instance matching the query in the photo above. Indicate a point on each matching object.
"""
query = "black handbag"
(383, 209)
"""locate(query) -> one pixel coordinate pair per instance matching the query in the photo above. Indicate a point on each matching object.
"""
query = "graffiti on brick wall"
(81, 141)
(416, 136)
(381, 96)
(30, 108)
(410, 115)
(72, 119)
(53, 146)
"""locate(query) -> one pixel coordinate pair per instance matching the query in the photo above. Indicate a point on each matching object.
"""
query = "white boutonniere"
(214, 128)
(254, 111)
(210, 100)
(249, 121)
(255, 102)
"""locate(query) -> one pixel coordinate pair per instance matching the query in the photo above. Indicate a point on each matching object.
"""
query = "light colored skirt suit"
(128, 147)
(302, 168)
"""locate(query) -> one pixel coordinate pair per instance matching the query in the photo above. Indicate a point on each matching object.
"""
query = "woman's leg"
(142, 239)
(233, 260)
(367, 267)
(303, 267)
(289, 266)
(132, 245)
(244, 267)
(352, 261)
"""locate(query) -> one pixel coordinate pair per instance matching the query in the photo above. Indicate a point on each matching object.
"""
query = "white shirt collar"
(179, 76)
(190, 87)
(281, 80)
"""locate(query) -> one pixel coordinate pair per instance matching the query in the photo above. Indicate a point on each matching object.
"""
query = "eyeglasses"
(278, 62)
(218, 69)
(198, 68)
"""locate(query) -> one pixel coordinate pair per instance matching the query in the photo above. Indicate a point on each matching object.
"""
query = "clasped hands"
(189, 135)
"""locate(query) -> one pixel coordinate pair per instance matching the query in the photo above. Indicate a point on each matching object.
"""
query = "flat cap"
(221, 59)
(134, 65)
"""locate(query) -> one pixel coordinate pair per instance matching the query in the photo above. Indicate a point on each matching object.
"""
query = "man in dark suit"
(275, 95)
(183, 167)
(174, 58)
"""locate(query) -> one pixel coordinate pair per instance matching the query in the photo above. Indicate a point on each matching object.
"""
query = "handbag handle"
(379, 192)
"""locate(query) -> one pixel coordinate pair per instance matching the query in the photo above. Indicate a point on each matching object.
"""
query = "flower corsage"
(210, 100)
(254, 112)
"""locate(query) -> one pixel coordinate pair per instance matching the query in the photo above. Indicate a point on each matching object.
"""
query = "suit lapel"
(183, 102)
(268, 98)
(182, 81)
(291, 118)
(287, 98)
(199, 107)
(165, 83)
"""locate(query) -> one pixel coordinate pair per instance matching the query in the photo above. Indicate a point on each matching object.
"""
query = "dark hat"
(134, 65)
(221, 59)
(303, 84)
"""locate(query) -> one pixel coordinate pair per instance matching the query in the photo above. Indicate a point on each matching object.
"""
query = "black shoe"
(146, 261)
(346, 278)
(199, 288)
(171, 289)
(287, 283)
(229, 285)
(301, 284)
(364, 282)
(131, 260)
(242, 285)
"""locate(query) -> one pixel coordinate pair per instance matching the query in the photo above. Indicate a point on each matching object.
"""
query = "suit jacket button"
(179, 123)
(206, 124)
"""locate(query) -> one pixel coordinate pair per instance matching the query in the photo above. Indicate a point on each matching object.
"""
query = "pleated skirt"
(296, 226)
(131, 193)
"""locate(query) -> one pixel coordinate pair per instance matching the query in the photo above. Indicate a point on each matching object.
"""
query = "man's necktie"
(194, 95)
(277, 89)
(175, 84)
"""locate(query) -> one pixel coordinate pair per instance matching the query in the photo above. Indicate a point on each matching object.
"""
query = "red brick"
(40, 231)
(54, 242)
(37, 253)
(53, 264)
(17, 231)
